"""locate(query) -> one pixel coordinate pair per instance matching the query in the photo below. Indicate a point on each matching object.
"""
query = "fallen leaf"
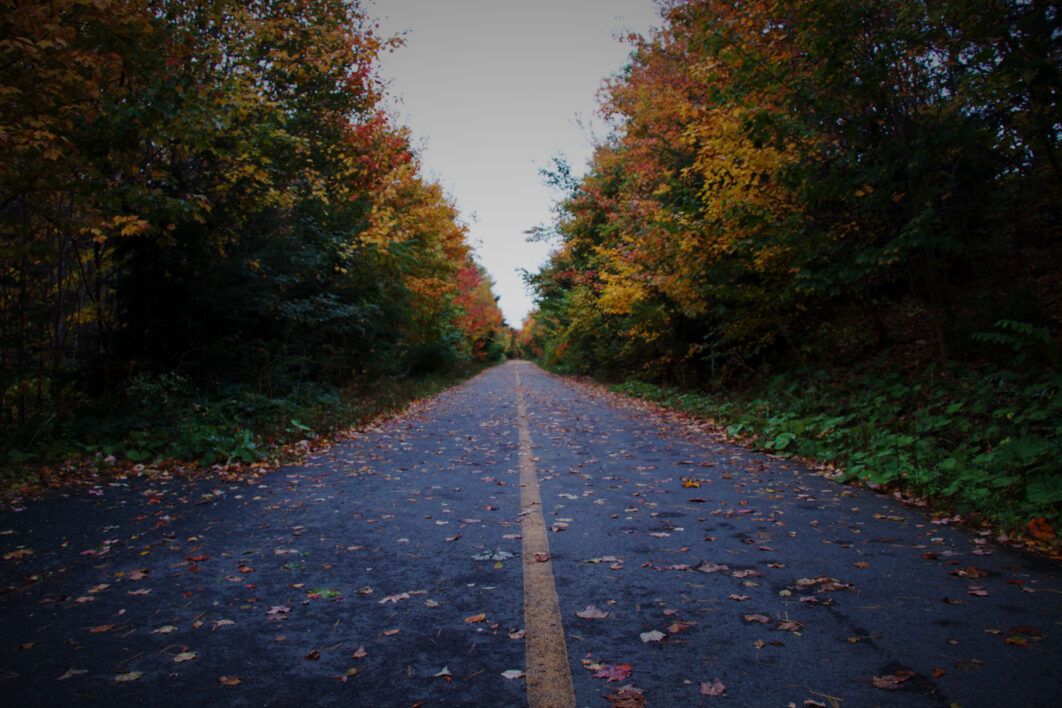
(184, 656)
(715, 688)
(1040, 529)
(101, 628)
(512, 674)
(627, 697)
(676, 627)
(228, 680)
(19, 553)
(278, 612)
(762, 619)
(613, 672)
(394, 598)
(653, 636)
(313, 655)
(444, 672)
(166, 629)
(128, 676)
(739, 598)
(476, 618)
(360, 653)
(70, 673)
(591, 612)
(891, 682)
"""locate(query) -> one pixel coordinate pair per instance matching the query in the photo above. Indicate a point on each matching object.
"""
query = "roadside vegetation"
(215, 238)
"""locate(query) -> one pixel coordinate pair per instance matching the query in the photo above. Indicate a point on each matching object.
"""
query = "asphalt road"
(549, 544)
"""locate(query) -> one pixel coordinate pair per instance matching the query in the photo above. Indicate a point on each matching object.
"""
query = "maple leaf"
(278, 612)
(613, 672)
(591, 612)
(715, 688)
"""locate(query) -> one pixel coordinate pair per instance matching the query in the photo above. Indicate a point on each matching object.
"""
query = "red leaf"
(614, 672)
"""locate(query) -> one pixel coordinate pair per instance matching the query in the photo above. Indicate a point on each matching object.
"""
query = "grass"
(163, 422)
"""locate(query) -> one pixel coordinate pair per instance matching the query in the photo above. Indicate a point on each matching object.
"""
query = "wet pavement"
(388, 571)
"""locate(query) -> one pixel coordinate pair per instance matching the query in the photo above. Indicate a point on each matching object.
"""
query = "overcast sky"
(492, 89)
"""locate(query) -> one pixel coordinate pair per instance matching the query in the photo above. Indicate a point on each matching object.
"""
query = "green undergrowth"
(164, 418)
(984, 442)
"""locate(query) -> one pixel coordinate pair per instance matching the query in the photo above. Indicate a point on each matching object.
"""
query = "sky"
(492, 90)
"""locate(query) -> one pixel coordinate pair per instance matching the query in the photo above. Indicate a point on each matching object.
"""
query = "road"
(522, 539)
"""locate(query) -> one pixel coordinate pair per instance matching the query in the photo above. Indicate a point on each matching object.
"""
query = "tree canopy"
(214, 189)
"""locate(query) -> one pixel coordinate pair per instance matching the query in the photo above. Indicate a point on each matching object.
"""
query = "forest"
(834, 228)
(215, 238)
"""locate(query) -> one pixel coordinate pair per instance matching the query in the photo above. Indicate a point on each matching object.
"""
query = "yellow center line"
(549, 674)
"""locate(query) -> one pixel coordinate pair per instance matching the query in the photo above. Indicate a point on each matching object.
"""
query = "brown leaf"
(313, 655)
(228, 680)
(1040, 529)
(891, 682)
(627, 697)
(476, 618)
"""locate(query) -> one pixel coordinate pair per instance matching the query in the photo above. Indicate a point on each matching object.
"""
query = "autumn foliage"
(844, 218)
(214, 191)
(797, 180)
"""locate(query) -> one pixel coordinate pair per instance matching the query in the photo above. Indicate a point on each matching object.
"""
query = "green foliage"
(987, 441)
